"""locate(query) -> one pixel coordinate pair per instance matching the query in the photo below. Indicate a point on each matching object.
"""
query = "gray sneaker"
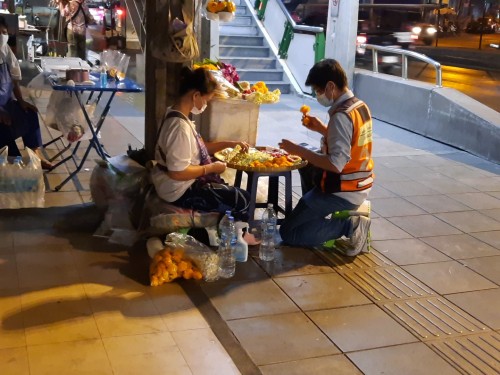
(359, 237)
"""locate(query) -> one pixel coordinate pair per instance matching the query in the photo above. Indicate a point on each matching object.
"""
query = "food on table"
(305, 109)
(264, 158)
(168, 265)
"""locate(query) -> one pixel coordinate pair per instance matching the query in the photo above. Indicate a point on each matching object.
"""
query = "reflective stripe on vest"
(357, 173)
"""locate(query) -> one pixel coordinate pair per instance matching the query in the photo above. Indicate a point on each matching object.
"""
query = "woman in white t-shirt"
(185, 174)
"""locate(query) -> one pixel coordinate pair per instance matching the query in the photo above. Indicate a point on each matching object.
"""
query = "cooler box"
(229, 120)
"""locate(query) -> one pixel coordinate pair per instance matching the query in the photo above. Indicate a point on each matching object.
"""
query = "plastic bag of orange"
(183, 256)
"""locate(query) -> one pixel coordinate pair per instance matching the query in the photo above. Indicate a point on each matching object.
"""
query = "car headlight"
(431, 31)
(416, 30)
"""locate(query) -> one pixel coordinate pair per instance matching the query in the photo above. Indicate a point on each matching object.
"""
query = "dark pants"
(24, 124)
(77, 46)
(214, 197)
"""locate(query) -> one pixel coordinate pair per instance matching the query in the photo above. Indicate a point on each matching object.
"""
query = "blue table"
(112, 87)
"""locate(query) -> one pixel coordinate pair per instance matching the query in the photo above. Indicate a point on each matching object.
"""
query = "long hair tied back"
(198, 80)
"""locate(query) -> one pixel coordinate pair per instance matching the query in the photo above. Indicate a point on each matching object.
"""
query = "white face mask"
(197, 111)
(323, 100)
(3, 40)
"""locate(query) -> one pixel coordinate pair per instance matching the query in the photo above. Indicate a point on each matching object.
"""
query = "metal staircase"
(137, 12)
(242, 44)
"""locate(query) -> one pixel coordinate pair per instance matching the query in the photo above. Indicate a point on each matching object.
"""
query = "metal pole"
(481, 26)
(405, 67)
(437, 22)
(375, 60)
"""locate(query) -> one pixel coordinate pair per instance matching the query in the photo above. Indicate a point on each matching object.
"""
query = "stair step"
(241, 40)
(238, 30)
(242, 10)
(244, 51)
(242, 21)
(266, 75)
(251, 62)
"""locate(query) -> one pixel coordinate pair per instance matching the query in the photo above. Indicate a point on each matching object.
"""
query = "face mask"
(3, 40)
(197, 111)
(324, 101)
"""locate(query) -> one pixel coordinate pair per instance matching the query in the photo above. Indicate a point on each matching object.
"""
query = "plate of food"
(260, 159)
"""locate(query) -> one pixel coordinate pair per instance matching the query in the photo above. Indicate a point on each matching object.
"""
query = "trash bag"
(114, 185)
(65, 114)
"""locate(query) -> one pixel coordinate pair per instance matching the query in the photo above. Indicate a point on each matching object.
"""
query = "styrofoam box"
(230, 120)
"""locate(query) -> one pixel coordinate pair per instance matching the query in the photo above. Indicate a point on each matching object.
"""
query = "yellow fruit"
(172, 268)
(187, 274)
(230, 6)
(212, 6)
(197, 275)
(221, 5)
(182, 266)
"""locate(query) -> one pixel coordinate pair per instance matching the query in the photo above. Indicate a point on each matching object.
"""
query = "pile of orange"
(278, 162)
(170, 264)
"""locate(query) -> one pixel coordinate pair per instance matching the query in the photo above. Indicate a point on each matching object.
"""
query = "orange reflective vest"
(357, 174)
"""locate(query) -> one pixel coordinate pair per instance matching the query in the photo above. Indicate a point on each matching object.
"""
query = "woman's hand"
(27, 106)
(217, 167)
(244, 146)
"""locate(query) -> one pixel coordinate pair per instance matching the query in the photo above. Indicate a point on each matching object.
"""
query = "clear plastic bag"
(65, 114)
(183, 256)
(21, 184)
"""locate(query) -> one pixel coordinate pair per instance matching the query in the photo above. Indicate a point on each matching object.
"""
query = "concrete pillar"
(341, 32)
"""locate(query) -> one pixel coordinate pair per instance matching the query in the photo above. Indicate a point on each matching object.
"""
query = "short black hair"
(3, 22)
(324, 71)
(199, 79)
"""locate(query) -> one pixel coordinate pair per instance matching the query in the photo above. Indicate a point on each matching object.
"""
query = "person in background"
(76, 14)
(340, 177)
(18, 118)
(184, 174)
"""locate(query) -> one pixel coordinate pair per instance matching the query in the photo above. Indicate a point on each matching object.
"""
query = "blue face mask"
(324, 101)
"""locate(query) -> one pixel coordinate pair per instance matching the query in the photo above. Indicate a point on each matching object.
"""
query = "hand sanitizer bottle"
(241, 248)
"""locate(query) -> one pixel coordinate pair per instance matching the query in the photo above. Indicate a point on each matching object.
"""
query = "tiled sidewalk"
(425, 301)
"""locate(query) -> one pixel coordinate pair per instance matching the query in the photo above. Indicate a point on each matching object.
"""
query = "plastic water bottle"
(227, 264)
(269, 222)
(18, 179)
(103, 78)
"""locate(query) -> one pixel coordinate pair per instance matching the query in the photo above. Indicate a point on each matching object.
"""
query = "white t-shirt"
(7, 56)
(178, 143)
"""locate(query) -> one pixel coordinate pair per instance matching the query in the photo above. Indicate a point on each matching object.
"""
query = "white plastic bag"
(39, 84)
(21, 185)
(65, 114)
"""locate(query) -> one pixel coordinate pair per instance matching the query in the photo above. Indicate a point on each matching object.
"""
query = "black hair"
(324, 71)
(198, 80)
(3, 22)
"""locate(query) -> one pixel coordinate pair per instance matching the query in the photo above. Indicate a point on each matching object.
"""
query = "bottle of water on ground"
(227, 263)
(269, 223)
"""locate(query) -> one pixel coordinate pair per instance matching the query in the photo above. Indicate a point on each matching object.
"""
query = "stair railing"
(404, 60)
(300, 45)
(137, 13)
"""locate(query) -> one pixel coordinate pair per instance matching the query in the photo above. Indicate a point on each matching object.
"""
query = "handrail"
(290, 28)
(311, 29)
(405, 54)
